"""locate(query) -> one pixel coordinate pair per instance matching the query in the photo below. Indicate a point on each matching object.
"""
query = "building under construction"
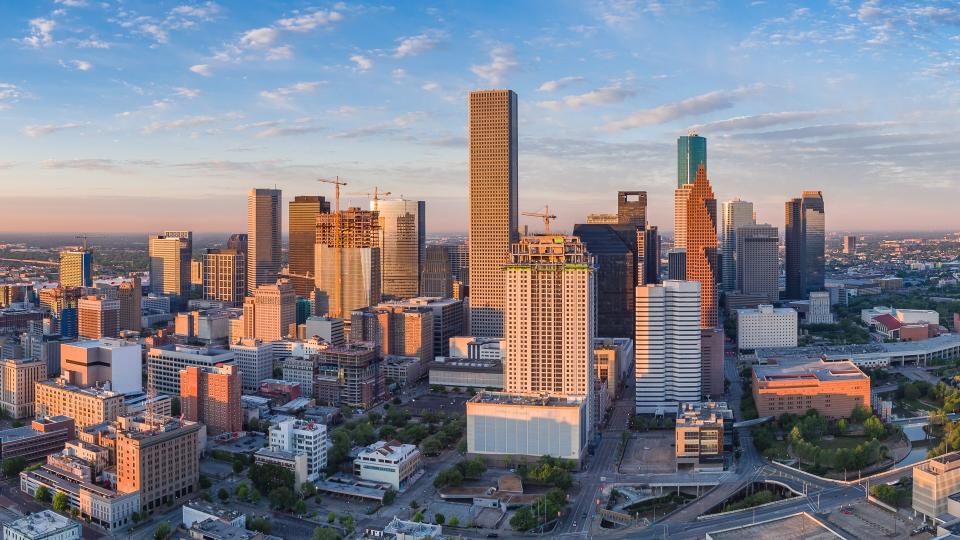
(350, 375)
(347, 260)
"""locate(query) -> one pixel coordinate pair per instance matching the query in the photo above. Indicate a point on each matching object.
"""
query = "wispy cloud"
(394, 125)
(608, 95)
(310, 21)
(265, 43)
(9, 94)
(41, 32)
(302, 126)
(702, 104)
(190, 122)
(419, 44)
(102, 165)
(283, 94)
(259, 38)
(186, 92)
(202, 69)
(79, 65)
(183, 17)
(93, 42)
(757, 121)
(553, 86)
(47, 129)
(503, 60)
(363, 63)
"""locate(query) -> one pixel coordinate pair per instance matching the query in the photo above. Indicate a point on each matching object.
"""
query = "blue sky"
(142, 116)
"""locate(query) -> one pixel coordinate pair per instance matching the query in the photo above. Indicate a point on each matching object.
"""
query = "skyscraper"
(758, 269)
(402, 244)
(263, 237)
(850, 244)
(648, 256)
(492, 163)
(129, 294)
(550, 326)
(460, 261)
(211, 396)
(736, 214)
(667, 346)
(225, 275)
(691, 154)
(697, 226)
(170, 255)
(615, 253)
(632, 208)
(804, 244)
(75, 268)
(302, 215)
(436, 278)
(356, 283)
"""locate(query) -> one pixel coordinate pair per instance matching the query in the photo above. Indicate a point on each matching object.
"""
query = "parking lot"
(866, 521)
(650, 452)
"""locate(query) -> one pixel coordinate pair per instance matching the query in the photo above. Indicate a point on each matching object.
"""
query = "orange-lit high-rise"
(696, 231)
(211, 396)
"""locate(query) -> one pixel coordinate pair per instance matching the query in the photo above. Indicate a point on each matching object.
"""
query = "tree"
(260, 524)
(873, 428)
(60, 501)
(135, 517)
(325, 533)
(242, 492)
(237, 467)
(204, 482)
(255, 496)
(842, 426)
(331, 517)
(282, 498)
(523, 519)
(300, 508)
(42, 494)
(162, 532)
(268, 477)
(414, 504)
(13, 466)
(418, 517)
(431, 446)
(439, 518)
(454, 521)
(389, 496)
(308, 489)
(859, 414)
(223, 495)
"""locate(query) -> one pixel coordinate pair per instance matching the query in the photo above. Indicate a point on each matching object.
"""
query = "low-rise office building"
(766, 326)
(199, 510)
(299, 436)
(832, 388)
(699, 439)
(44, 436)
(293, 462)
(389, 463)
(17, 393)
(502, 426)
(466, 373)
(612, 361)
(934, 482)
(43, 525)
(164, 364)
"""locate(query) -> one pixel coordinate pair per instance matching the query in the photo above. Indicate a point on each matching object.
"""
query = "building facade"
(170, 255)
(225, 276)
(103, 362)
(302, 437)
(255, 360)
(264, 240)
(388, 463)
(211, 396)
(302, 215)
(766, 326)
(492, 164)
(402, 245)
(691, 155)
(87, 406)
(667, 345)
(436, 280)
(76, 268)
(736, 214)
(832, 388)
(157, 457)
(164, 364)
(98, 317)
(696, 232)
(270, 314)
(18, 394)
(356, 282)
(757, 261)
(804, 244)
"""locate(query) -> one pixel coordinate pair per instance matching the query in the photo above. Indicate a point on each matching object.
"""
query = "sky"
(139, 116)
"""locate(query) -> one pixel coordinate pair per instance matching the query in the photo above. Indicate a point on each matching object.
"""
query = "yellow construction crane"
(376, 195)
(545, 215)
(337, 241)
(85, 237)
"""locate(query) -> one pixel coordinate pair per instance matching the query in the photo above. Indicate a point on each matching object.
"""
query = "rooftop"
(412, 528)
(505, 398)
(816, 369)
(392, 450)
(799, 526)
(465, 364)
(103, 343)
(41, 524)
(88, 390)
(225, 514)
(218, 530)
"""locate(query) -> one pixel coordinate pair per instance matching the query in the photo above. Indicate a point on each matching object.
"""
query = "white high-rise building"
(550, 317)
(667, 345)
(736, 214)
(302, 437)
(819, 312)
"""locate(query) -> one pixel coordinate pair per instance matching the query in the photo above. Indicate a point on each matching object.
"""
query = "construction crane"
(337, 240)
(545, 215)
(85, 237)
(376, 195)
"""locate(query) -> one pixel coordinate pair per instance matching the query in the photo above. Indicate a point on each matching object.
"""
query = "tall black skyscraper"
(804, 244)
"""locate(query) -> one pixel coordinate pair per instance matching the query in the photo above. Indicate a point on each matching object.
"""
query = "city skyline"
(239, 97)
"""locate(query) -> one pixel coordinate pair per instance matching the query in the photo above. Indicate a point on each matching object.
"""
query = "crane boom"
(337, 241)
(545, 215)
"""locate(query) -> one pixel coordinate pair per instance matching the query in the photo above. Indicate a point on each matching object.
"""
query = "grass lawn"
(916, 404)
(849, 442)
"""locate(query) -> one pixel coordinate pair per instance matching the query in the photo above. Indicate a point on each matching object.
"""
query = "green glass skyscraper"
(691, 153)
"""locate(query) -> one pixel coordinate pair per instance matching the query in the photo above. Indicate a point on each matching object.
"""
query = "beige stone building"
(18, 394)
(271, 313)
(87, 406)
(159, 457)
(225, 276)
(492, 164)
(264, 240)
